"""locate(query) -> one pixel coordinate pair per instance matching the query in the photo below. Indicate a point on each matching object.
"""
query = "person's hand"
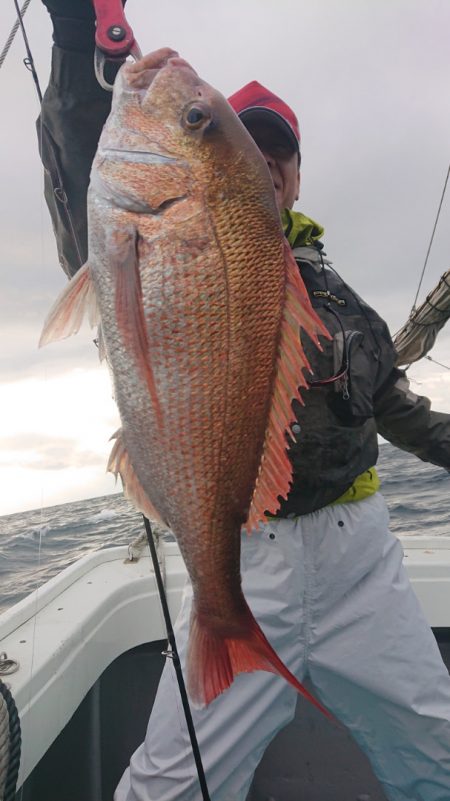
(141, 73)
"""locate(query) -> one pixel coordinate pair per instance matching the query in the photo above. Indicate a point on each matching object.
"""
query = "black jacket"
(355, 392)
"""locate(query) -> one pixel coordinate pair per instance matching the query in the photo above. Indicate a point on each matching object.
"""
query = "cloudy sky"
(369, 80)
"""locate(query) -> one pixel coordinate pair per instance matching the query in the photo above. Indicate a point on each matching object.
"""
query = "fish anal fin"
(275, 472)
(75, 301)
(214, 659)
(119, 464)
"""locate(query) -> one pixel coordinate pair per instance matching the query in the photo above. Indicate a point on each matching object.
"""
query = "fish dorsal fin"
(275, 471)
(119, 464)
(75, 301)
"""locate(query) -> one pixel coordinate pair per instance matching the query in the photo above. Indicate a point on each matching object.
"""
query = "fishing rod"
(172, 653)
(28, 61)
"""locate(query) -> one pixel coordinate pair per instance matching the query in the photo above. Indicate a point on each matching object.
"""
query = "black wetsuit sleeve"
(74, 110)
(406, 420)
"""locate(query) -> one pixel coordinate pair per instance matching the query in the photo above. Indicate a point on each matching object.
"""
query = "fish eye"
(196, 116)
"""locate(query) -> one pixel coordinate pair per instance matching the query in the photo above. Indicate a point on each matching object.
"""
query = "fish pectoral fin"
(129, 308)
(119, 463)
(75, 301)
(275, 471)
(213, 659)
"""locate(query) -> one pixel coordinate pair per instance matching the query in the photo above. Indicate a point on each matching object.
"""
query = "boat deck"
(89, 646)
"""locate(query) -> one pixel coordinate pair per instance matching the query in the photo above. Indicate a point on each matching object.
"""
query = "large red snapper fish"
(201, 303)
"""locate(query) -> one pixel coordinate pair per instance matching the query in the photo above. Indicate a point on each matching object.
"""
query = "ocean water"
(36, 545)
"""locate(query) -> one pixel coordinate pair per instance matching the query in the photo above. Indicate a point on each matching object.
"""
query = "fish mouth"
(142, 81)
(135, 156)
(176, 61)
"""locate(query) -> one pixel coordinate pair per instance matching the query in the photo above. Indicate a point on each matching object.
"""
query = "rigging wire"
(14, 30)
(413, 309)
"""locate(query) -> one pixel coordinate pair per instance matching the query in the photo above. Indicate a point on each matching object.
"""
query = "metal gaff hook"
(100, 60)
(114, 38)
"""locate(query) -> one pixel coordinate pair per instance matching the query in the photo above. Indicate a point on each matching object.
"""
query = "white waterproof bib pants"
(331, 594)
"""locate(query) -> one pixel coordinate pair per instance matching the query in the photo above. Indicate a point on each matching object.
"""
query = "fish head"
(170, 137)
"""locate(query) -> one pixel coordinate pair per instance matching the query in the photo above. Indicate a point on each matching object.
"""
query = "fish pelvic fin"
(75, 301)
(130, 309)
(213, 659)
(275, 471)
(119, 463)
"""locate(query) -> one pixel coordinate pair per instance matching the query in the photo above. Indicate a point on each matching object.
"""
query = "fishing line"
(435, 362)
(173, 654)
(413, 308)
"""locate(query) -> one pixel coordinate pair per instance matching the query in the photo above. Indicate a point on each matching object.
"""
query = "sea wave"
(36, 545)
(102, 516)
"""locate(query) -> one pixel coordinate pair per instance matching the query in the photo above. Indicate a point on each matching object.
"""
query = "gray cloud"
(21, 358)
(47, 453)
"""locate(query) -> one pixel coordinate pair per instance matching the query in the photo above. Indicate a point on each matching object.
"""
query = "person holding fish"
(251, 382)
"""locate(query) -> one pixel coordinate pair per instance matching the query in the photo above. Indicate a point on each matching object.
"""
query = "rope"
(4, 743)
(431, 240)
(14, 30)
(10, 744)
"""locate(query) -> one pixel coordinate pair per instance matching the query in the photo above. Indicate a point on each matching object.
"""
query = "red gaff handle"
(113, 35)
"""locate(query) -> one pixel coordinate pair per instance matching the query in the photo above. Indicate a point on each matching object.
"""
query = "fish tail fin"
(214, 660)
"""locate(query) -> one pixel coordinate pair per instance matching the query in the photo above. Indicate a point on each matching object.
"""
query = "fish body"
(200, 303)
